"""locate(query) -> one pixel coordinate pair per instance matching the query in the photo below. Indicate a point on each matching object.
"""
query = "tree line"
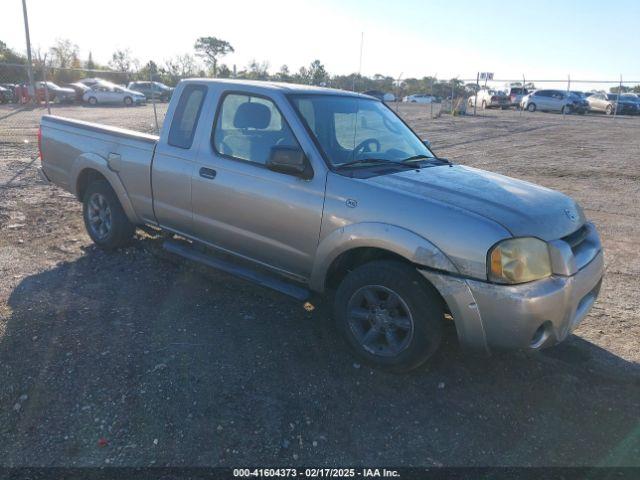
(63, 65)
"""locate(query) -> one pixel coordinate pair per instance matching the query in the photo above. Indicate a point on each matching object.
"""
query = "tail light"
(40, 143)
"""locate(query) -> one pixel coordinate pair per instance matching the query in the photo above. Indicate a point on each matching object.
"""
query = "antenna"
(398, 86)
(359, 63)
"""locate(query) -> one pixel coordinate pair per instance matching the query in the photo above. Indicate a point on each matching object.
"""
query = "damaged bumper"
(527, 316)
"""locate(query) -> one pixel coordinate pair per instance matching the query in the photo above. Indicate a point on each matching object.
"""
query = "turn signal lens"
(519, 260)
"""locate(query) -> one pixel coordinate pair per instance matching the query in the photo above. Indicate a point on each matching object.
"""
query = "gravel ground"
(138, 358)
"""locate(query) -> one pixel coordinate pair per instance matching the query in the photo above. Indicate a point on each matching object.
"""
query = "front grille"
(584, 243)
(576, 238)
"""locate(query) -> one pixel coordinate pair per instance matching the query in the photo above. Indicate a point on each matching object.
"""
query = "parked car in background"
(105, 93)
(607, 103)
(580, 94)
(90, 82)
(152, 90)
(489, 98)
(79, 88)
(515, 95)
(6, 95)
(634, 98)
(419, 98)
(385, 97)
(400, 239)
(553, 101)
(580, 104)
(55, 92)
(10, 95)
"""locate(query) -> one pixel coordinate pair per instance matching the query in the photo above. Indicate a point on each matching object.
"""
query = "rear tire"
(104, 217)
(609, 110)
(92, 101)
(531, 107)
(390, 317)
(128, 101)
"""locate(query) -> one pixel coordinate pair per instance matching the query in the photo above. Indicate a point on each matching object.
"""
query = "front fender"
(100, 164)
(400, 241)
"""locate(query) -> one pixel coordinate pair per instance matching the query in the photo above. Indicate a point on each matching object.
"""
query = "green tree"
(616, 89)
(122, 61)
(283, 74)
(9, 73)
(211, 49)
(90, 63)
(63, 53)
(224, 71)
(257, 70)
(317, 74)
(181, 66)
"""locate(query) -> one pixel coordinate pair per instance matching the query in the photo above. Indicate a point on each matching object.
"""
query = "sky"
(589, 39)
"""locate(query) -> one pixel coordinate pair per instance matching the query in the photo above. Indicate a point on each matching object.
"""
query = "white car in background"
(106, 93)
(489, 98)
(419, 98)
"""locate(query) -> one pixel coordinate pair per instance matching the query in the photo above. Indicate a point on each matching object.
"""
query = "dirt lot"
(137, 358)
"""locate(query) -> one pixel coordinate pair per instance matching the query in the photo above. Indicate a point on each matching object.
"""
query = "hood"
(523, 208)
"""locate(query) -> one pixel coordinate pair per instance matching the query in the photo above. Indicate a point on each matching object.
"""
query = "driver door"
(241, 206)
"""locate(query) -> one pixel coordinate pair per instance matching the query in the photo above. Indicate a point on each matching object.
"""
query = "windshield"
(352, 129)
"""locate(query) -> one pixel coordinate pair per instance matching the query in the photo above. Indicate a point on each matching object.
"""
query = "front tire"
(92, 101)
(389, 315)
(531, 107)
(128, 101)
(104, 218)
(609, 110)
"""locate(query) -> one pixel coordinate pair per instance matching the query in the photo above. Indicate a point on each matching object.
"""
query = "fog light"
(540, 336)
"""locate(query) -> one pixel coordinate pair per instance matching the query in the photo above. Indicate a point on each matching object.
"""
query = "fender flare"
(400, 241)
(96, 162)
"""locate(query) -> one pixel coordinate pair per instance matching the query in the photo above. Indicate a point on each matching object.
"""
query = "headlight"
(519, 260)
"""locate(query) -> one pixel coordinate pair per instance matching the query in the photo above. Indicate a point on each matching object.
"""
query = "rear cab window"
(185, 117)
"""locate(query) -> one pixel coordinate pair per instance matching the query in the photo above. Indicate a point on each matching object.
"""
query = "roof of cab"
(277, 86)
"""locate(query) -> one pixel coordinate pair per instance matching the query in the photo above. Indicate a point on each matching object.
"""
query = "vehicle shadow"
(136, 357)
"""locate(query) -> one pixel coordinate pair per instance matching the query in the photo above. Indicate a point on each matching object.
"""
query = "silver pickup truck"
(315, 191)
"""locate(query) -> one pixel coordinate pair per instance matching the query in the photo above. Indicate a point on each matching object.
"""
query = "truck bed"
(70, 147)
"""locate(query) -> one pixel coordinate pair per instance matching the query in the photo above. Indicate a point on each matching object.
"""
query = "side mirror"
(427, 143)
(289, 160)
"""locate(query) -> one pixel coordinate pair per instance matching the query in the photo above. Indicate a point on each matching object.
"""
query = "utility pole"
(32, 89)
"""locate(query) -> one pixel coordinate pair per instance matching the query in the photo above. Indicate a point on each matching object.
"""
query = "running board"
(254, 276)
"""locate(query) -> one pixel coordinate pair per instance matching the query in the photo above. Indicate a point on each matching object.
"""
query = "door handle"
(207, 173)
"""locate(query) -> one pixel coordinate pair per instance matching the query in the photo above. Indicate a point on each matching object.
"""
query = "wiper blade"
(417, 158)
(374, 161)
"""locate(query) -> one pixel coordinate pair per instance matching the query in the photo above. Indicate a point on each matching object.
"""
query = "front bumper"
(528, 316)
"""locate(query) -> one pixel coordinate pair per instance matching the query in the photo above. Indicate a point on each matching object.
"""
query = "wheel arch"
(90, 167)
(351, 246)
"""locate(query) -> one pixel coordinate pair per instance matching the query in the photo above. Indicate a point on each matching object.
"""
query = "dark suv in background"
(152, 90)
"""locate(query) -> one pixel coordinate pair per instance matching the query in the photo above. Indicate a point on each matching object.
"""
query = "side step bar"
(263, 279)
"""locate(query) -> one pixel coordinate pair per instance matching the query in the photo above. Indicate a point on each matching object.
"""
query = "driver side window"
(248, 126)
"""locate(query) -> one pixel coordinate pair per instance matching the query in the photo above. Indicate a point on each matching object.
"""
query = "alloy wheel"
(99, 216)
(380, 320)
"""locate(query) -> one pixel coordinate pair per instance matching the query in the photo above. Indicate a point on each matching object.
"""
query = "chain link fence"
(99, 96)
(68, 92)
